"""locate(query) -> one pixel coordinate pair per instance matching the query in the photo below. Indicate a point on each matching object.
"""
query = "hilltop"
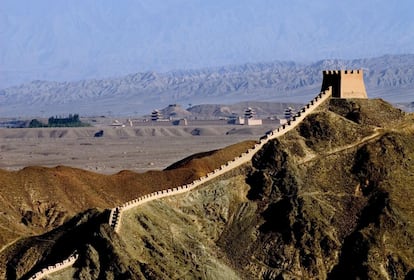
(330, 199)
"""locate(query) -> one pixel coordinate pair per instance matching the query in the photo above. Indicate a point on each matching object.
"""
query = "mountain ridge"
(390, 77)
(284, 209)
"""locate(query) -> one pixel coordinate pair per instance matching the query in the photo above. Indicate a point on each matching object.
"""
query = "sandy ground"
(138, 148)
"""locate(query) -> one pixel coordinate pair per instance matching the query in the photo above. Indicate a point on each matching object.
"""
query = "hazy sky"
(78, 39)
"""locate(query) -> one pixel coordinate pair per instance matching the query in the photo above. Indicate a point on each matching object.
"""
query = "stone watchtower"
(345, 83)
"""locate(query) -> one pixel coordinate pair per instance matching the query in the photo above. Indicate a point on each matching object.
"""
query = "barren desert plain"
(138, 148)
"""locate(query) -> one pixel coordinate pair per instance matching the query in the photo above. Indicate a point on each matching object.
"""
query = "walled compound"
(337, 84)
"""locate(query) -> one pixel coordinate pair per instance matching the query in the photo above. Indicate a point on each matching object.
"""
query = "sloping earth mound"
(37, 199)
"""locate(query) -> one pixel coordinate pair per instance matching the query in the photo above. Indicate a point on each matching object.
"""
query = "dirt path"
(311, 156)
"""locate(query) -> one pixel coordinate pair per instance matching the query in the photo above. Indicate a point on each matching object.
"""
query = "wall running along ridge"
(53, 268)
(115, 216)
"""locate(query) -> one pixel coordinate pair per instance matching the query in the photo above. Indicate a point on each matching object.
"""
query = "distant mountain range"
(61, 41)
(389, 77)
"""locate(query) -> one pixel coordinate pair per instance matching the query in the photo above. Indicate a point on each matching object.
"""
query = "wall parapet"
(237, 161)
(116, 213)
(56, 267)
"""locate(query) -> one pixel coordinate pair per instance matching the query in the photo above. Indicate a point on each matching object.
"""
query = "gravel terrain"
(138, 148)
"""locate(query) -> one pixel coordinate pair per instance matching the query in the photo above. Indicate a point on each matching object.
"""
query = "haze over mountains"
(388, 77)
(129, 57)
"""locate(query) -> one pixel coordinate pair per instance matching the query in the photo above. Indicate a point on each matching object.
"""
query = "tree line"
(70, 121)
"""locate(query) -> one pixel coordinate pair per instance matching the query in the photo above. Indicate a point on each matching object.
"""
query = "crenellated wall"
(115, 216)
(116, 213)
(53, 268)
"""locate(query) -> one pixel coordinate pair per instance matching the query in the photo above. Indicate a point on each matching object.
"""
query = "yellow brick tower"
(345, 83)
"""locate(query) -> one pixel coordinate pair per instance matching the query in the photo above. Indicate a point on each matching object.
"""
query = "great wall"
(59, 266)
(329, 86)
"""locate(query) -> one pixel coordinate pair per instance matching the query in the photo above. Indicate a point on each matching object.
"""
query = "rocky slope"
(329, 200)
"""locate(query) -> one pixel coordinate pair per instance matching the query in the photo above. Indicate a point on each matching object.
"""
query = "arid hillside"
(331, 199)
(37, 199)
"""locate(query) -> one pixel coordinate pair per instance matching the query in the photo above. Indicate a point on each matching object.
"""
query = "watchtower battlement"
(345, 83)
